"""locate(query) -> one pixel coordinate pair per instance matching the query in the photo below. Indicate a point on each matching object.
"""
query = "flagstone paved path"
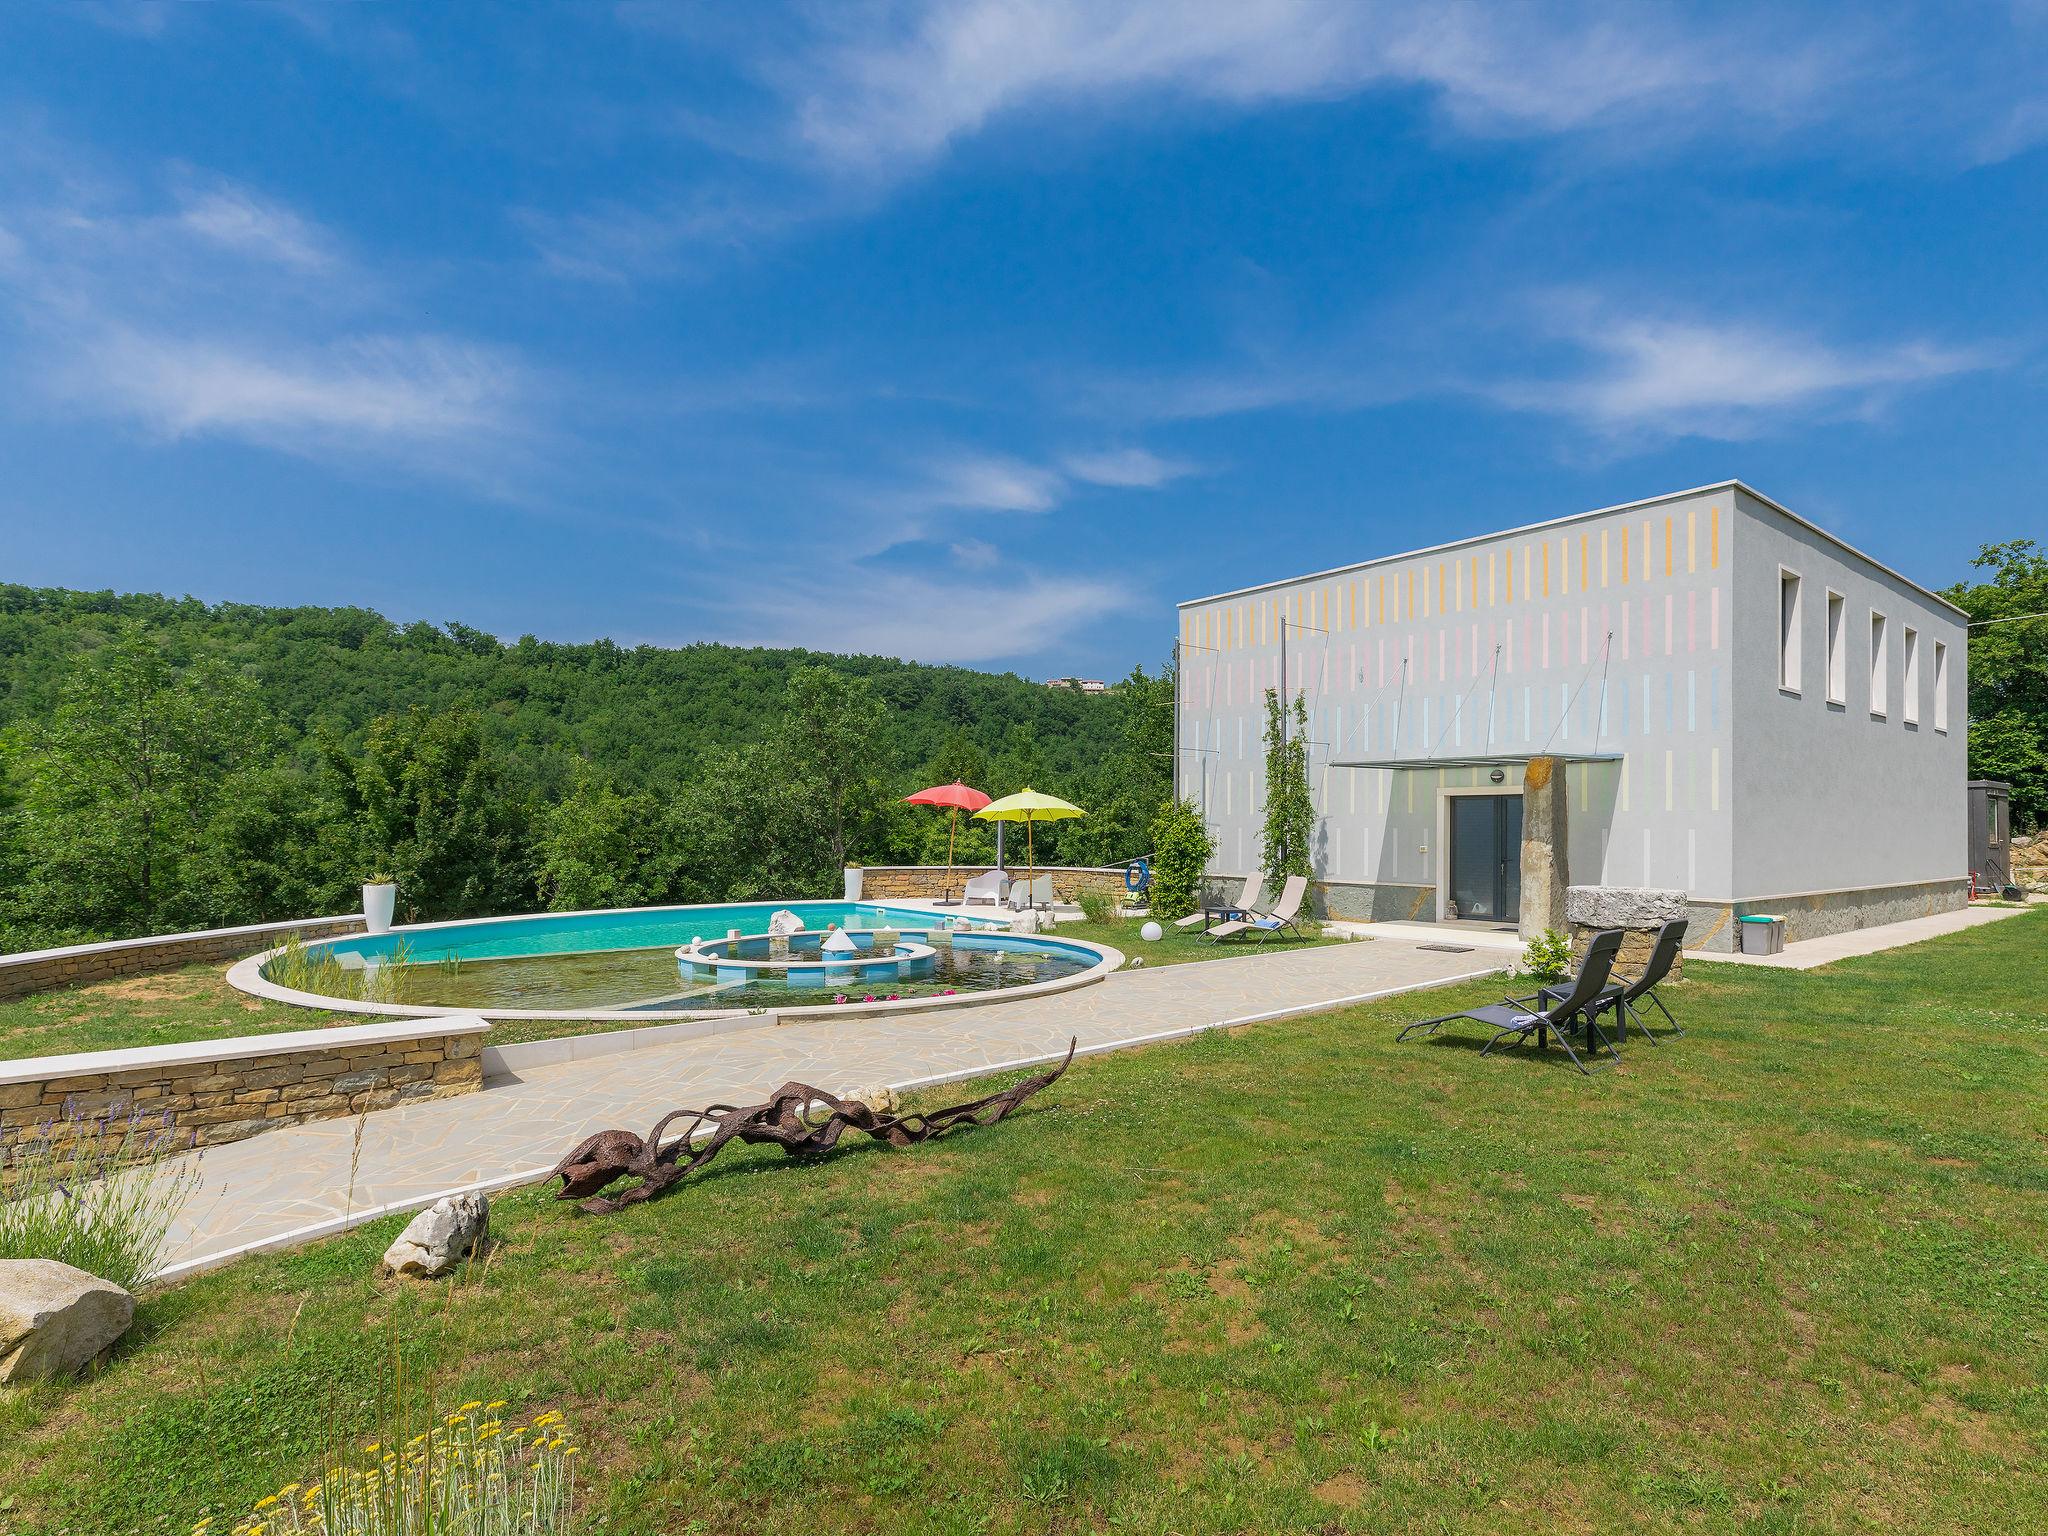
(290, 1185)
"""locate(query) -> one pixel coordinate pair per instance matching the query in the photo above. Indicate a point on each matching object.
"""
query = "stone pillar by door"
(1546, 811)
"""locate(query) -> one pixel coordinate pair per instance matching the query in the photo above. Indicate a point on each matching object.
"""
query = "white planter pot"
(378, 900)
(852, 884)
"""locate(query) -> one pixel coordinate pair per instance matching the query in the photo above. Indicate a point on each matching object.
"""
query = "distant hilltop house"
(1083, 684)
(1740, 707)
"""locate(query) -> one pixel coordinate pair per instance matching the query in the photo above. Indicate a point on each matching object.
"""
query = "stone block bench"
(224, 1090)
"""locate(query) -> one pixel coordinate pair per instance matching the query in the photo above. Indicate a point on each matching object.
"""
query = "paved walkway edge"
(356, 1218)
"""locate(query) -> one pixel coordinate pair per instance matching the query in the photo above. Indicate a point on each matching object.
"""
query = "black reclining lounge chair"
(1622, 996)
(1579, 1002)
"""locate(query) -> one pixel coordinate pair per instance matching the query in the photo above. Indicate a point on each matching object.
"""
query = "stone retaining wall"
(223, 1090)
(1637, 911)
(40, 970)
(925, 882)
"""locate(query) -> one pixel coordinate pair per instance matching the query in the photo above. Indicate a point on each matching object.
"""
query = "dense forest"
(169, 763)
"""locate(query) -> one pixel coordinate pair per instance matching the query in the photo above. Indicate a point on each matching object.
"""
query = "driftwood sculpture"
(802, 1120)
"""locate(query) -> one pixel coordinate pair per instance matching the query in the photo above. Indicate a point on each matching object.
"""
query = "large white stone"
(54, 1319)
(1622, 906)
(441, 1236)
(880, 1098)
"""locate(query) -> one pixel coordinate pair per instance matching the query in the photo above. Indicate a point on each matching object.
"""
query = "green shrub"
(92, 1191)
(1181, 849)
(1097, 906)
(1548, 956)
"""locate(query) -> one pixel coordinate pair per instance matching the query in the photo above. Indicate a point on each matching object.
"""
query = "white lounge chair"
(1284, 912)
(988, 889)
(1026, 894)
(1247, 901)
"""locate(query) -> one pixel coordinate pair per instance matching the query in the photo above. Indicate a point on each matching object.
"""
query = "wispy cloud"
(927, 618)
(206, 309)
(235, 219)
(404, 389)
(1125, 468)
(1664, 375)
(621, 242)
(137, 18)
(899, 94)
(986, 482)
(1627, 373)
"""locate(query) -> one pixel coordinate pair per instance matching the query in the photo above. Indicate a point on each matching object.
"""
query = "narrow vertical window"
(1909, 704)
(1788, 631)
(1879, 666)
(1940, 686)
(1838, 660)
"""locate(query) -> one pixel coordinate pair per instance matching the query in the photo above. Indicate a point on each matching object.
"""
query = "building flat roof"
(1574, 517)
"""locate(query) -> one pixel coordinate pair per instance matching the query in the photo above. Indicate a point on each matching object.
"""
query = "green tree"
(119, 787)
(744, 828)
(1181, 849)
(2009, 673)
(439, 810)
(600, 848)
(1290, 814)
(832, 731)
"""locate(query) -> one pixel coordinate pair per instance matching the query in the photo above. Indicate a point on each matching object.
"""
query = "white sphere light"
(1152, 933)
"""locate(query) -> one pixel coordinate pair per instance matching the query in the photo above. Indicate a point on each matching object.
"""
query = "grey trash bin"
(1763, 935)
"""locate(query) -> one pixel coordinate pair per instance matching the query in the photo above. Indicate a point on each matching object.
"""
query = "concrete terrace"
(295, 1184)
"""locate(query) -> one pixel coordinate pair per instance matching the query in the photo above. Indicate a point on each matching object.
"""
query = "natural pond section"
(646, 978)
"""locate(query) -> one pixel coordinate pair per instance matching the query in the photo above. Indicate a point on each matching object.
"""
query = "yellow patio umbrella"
(1029, 807)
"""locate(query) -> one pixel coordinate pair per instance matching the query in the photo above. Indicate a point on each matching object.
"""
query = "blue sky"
(984, 331)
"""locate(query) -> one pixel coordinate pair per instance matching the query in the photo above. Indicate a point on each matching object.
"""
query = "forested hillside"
(169, 763)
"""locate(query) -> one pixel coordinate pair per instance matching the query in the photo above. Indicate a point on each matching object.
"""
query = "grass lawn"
(1789, 1273)
(1180, 944)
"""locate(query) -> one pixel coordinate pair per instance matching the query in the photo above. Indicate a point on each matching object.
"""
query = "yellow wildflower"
(494, 1407)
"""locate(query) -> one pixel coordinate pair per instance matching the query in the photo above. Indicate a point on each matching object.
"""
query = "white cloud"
(1726, 379)
(405, 388)
(987, 482)
(1125, 468)
(943, 619)
(237, 220)
(138, 18)
(976, 554)
(216, 312)
(954, 66)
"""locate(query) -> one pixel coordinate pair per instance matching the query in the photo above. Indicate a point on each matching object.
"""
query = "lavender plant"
(94, 1189)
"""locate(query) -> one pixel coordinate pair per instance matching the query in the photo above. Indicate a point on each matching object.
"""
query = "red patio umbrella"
(957, 797)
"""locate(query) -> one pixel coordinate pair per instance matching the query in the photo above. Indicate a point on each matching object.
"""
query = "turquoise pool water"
(626, 961)
(572, 933)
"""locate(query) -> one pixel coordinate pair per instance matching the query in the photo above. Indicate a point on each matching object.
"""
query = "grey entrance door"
(1486, 857)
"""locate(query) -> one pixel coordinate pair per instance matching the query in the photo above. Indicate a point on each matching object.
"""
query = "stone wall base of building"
(1811, 916)
(1817, 914)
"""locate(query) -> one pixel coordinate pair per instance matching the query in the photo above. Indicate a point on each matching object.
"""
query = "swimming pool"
(624, 964)
(582, 933)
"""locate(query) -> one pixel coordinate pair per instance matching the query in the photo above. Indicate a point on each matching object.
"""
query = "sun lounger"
(1580, 1003)
(1247, 901)
(1622, 996)
(1265, 924)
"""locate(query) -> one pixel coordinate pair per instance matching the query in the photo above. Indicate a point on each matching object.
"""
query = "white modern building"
(1743, 707)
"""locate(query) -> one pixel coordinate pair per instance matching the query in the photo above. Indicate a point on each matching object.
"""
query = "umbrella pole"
(952, 828)
(1030, 859)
